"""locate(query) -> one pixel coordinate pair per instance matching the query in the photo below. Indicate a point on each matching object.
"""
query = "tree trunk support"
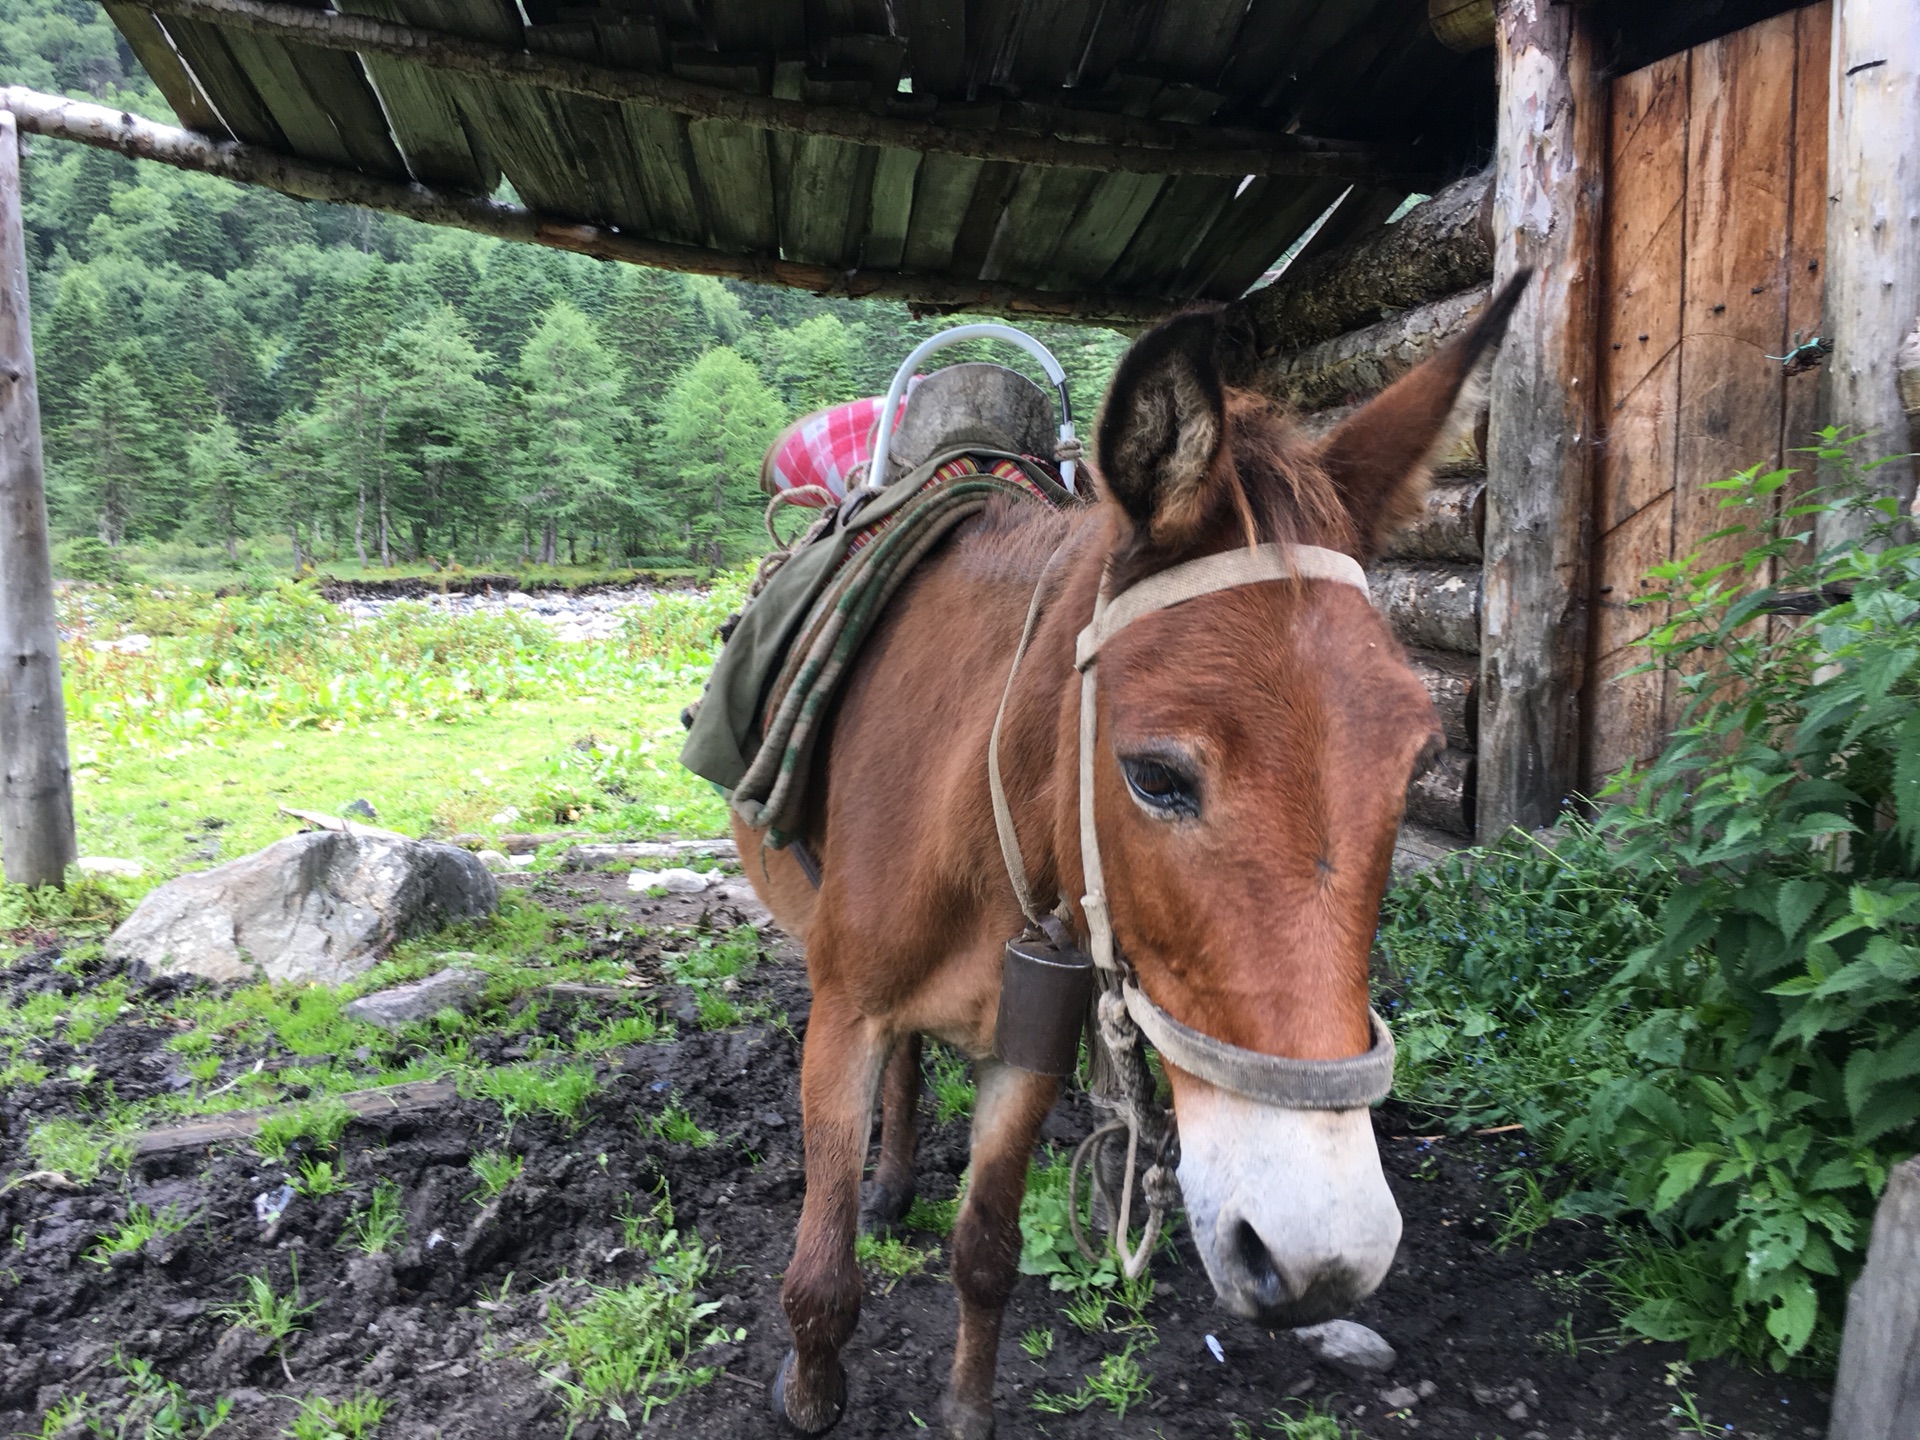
(1551, 129)
(36, 786)
(1873, 233)
(1876, 1394)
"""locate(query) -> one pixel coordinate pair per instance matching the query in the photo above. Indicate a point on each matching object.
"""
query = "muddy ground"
(1504, 1343)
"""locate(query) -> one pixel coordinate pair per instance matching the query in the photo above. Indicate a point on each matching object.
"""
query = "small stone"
(1427, 1389)
(1517, 1410)
(1401, 1397)
(110, 865)
(1348, 1345)
(360, 810)
(494, 860)
(422, 1000)
(773, 1120)
(675, 881)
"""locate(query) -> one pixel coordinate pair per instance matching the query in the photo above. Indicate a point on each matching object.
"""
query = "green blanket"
(765, 704)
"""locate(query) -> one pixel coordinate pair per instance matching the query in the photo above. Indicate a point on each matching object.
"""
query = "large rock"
(321, 906)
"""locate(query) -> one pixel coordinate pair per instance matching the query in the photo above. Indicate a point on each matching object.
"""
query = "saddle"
(960, 442)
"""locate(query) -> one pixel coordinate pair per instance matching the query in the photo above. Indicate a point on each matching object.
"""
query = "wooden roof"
(1117, 154)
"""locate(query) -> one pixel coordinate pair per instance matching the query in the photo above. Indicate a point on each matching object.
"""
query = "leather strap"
(1270, 1079)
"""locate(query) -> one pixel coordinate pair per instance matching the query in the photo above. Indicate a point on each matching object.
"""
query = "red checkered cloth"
(827, 449)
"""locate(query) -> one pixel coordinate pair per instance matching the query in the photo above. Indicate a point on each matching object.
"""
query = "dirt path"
(1492, 1343)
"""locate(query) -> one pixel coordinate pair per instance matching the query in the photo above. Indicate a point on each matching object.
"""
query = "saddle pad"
(753, 732)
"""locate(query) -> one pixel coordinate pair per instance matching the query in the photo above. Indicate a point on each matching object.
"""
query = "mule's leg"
(839, 1071)
(890, 1191)
(1007, 1113)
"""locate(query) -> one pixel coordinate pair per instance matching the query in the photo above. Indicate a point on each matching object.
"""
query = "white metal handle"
(890, 407)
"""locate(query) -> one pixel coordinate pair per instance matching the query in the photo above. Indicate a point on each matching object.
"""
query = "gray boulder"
(422, 1000)
(321, 906)
(1348, 1345)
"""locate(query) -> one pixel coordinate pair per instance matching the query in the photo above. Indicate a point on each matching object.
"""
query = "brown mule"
(1253, 752)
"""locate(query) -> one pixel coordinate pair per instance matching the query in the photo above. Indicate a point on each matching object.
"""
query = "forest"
(221, 364)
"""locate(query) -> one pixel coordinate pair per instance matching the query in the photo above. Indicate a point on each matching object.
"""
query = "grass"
(150, 1406)
(1119, 1384)
(522, 1090)
(935, 1217)
(317, 1178)
(634, 1347)
(380, 1226)
(950, 1079)
(78, 1150)
(143, 1223)
(495, 1170)
(320, 1123)
(676, 1125)
(891, 1257)
(1312, 1423)
(269, 1314)
(1037, 1343)
(713, 971)
(323, 1419)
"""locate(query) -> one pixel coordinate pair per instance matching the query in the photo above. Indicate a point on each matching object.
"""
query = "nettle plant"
(1777, 1015)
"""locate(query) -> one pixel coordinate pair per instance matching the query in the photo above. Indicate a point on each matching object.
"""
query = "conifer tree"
(110, 453)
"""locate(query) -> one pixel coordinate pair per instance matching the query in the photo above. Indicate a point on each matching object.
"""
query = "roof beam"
(1021, 133)
(62, 119)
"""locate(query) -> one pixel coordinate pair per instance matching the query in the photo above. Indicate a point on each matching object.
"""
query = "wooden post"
(1876, 1394)
(1873, 229)
(1551, 127)
(36, 787)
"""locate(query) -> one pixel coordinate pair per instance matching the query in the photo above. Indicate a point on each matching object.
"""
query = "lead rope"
(1119, 1081)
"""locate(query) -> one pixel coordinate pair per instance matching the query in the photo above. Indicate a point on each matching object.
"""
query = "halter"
(1124, 1013)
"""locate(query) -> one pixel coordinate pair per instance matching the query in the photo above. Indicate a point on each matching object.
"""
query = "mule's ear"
(1162, 425)
(1377, 458)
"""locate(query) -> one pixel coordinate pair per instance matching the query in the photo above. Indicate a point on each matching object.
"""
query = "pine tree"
(221, 477)
(109, 454)
(442, 427)
(716, 426)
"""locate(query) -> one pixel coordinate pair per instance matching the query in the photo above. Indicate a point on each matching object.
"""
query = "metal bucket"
(1044, 992)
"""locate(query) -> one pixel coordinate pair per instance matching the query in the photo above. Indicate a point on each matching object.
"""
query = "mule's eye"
(1161, 788)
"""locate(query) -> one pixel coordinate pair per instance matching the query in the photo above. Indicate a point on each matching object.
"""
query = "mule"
(1254, 748)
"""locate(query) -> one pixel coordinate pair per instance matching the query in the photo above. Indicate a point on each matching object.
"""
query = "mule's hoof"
(965, 1422)
(882, 1207)
(809, 1416)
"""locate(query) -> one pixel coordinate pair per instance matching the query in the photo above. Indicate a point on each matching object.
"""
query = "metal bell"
(1045, 988)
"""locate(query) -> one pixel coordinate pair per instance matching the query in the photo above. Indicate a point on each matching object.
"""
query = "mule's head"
(1253, 755)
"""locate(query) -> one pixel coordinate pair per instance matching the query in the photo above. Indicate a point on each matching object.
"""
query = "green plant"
(142, 1224)
(319, 1122)
(951, 1080)
(323, 1419)
(1037, 1343)
(77, 1150)
(268, 1313)
(634, 1345)
(381, 1225)
(150, 1406)
(936, 1217)
(495, 1170)
(1046, 1238)
(520, 1090)
(1530, 1213)
(1119, 1384)
(892, 1257)
(1312, 1423)
(676, 1125)
(316, 1178)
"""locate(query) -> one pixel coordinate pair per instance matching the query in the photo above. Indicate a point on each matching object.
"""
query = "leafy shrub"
(91, 559)
(1709, 1005)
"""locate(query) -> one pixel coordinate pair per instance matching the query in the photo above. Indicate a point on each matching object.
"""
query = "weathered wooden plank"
(1364, 362)
(36, 783)
(982, 217)
(1873, 229)
(1042, 203)
(664, 168)
(414, 1098)
(1280, 38)
(1876, 1391)
(1641, 290)
(160, 60)
(1096, 236)
(1547, 194)
(1251, 233)
(424, 108)
(1452, 525)
(1739, 138)
(1807, 229)
(1430, 605)
(733, 162)
(1045, 46)
(941, 195)
(225, 83)
(936, 46)
(1636, 709)
(1182, 213)
(889, 208)
(1629, 550)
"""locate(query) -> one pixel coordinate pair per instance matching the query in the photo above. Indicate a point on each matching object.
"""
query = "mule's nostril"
(1264, 1284)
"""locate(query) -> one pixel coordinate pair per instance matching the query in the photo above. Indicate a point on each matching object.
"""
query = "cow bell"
(1045, 988)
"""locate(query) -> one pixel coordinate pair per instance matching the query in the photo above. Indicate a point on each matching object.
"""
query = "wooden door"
(1710, 260)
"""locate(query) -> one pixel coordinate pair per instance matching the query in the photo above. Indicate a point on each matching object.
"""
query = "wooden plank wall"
(1711, 252)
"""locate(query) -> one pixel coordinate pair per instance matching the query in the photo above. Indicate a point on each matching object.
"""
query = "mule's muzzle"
(1256, 1284)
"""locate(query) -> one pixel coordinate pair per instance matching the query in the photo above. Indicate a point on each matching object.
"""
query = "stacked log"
(1335, 334)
